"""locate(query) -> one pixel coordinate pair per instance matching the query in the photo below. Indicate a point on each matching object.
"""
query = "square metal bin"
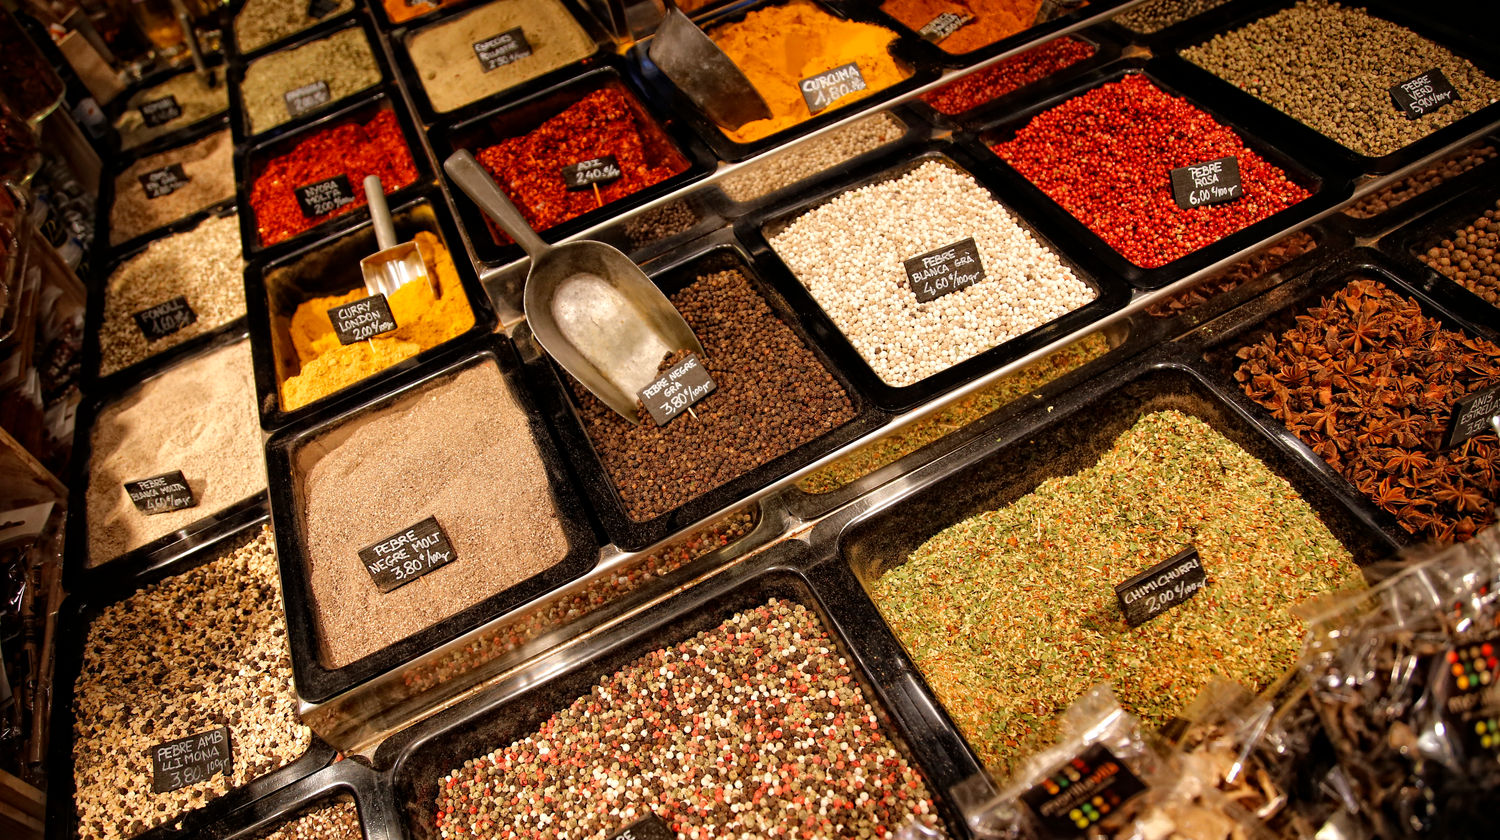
(73, 626)
(420, 757)
(664, 138)
(672, 273)
(250, 162)
(343, 781)
(1111, 293)
(1327, 183)
(287, 457)
(274, 288)
(1068, 434)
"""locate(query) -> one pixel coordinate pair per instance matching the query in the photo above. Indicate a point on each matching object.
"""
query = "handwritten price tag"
(1161, 587)
(677, 389)
(830, 86)
(402, 558)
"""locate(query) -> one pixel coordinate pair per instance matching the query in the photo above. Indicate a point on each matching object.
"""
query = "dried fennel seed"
(1011, 614)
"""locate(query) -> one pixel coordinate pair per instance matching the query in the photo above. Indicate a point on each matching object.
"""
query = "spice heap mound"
(202, 265)
(1467, 256)
(198, 417)
(772, 396)
(1156, 15)
(458, 449)
(343, 62)
(1300, 61)
(207, 177)
(194, 100)
(849, 252)
(401, 11)
(448, 60)
(1450, 166)
(337, 820)
(778, 46)
(1010, 614)
(913, 436)
(603, 123)
(810, 157)
(987, 21)
(351, 149)
(201, 650)
(703, 763)
(261, 22)
(1264, 261)
(1122, 189)
(423, 322)
(1369, 382)
(1010, 75)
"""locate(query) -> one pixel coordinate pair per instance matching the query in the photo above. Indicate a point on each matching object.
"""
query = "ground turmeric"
(423, 321)
(779, 46)
(986, 21)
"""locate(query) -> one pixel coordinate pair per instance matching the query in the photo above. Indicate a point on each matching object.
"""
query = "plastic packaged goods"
(161, 188)
(452, 71)
(201, 650)
(777, 46)
(1033, 631)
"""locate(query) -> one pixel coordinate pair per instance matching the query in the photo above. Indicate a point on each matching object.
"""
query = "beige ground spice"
(208, 165)
(195, 99)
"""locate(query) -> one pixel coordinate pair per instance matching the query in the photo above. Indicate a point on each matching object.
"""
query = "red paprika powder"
(352, 148)
(1106, 156)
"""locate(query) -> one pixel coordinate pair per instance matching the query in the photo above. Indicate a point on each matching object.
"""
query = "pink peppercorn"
(1106, 156)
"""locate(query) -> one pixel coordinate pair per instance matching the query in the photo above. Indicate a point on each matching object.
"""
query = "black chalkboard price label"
(650, 828)
(1161, 587)
(1082, 792)
(1423, 94)
(674, 391)
(943, 25)
(160, 111)
(945, 270)
(1471, 416)
(319, 9)
(309, 97)
(161, 493)
(362, 319)
(586, 173)
(1202, 184)
(402, 558)
(830, 86)
(324, 197)
(500, 50)
(188, 761)
(159, 321)
(164, 181)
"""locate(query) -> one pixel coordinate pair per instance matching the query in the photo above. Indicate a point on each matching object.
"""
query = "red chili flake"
(606, 122)
(1106, 156)
(353, 149)
(1013, 73)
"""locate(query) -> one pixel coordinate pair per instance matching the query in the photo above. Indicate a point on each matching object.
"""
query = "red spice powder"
(1106, 156)
(353, 149)
(1009, 75)
(529, 167)
(991, 20)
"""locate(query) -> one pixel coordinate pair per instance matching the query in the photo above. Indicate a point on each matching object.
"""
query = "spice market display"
(1029, 421)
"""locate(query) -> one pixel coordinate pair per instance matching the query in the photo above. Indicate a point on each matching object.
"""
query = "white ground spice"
(814, 156)
(203, 265)
(201, 650)
(849, 252)
(199, 417)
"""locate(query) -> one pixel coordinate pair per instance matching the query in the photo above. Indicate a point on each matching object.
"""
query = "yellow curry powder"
(424, 320)
(779, 46)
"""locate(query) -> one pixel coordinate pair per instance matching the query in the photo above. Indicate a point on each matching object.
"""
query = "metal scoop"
(395, 264)
(589, 306)
(695, 63)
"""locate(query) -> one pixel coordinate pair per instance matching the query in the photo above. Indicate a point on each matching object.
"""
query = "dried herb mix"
(1121, 189)
(766, 733)
(773, 396)
(261, 22)
(1302, 60)
(343, 61)
(202, 649)
(1011, 614)
(1368, 381)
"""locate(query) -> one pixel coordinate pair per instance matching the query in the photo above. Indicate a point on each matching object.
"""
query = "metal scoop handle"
(380, 213)
(477, 184)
